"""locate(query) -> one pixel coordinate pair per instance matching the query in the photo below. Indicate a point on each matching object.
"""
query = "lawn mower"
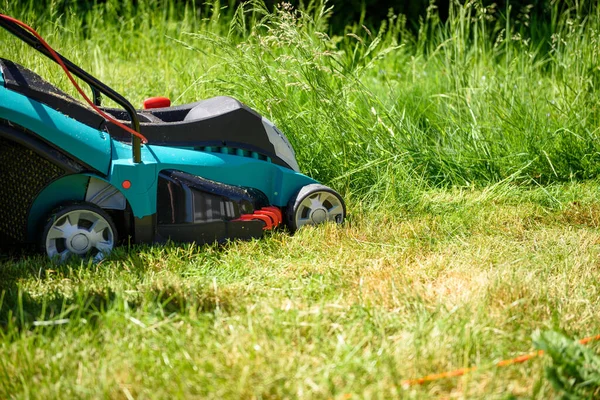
(75, 177)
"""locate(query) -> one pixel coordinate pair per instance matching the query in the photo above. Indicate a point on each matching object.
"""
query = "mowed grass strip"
(464, 278)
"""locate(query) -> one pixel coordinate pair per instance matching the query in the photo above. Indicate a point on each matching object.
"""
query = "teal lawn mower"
(75, 177)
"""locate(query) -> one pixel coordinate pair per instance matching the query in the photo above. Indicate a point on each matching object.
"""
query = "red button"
(157, 102)
(126, 184)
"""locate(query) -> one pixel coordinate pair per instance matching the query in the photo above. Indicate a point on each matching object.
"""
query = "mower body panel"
(92, 146)
(60, 159)
(276, 182)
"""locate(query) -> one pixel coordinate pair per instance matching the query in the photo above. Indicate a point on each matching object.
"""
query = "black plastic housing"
(193, 209)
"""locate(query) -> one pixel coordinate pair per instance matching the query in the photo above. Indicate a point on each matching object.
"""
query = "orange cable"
(503, 363)
(81, 92)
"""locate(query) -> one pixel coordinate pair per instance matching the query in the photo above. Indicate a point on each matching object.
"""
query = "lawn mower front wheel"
(315, 204)
(79, 229)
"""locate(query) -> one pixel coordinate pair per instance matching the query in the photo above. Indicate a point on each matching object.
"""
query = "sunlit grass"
(462, 151)
(462, 279)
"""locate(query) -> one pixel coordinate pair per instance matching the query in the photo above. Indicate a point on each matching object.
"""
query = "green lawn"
(464, 277)
(469, 160)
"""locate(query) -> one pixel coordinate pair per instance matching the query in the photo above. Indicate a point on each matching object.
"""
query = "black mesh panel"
(23, 173)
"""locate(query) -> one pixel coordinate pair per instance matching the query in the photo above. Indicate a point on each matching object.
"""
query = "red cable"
(503, 363)
(81, 92)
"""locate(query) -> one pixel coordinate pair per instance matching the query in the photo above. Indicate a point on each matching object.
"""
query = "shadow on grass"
(22, 308)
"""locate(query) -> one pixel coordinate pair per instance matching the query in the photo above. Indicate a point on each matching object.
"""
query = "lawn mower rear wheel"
(79, 229)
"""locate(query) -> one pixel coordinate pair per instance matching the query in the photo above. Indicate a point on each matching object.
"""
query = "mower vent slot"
(234, 151)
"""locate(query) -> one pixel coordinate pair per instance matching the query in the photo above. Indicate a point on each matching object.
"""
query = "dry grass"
(326, 313)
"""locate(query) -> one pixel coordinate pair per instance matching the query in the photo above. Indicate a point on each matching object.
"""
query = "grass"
(468, 155)
(466, 279)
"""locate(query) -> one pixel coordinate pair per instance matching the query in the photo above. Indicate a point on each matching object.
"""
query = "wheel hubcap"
(318, 215)
(80, 232)
(80, 243)
(319, 207)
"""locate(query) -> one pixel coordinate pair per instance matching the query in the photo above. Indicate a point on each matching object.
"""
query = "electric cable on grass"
(463, 371)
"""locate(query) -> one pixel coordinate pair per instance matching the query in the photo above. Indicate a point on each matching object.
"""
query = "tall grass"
(471, 101)
(465, 102)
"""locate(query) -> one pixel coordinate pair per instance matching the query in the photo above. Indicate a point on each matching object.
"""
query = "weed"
(575, 369)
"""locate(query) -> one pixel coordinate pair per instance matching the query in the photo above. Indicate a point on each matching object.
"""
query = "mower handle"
(97, 86)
